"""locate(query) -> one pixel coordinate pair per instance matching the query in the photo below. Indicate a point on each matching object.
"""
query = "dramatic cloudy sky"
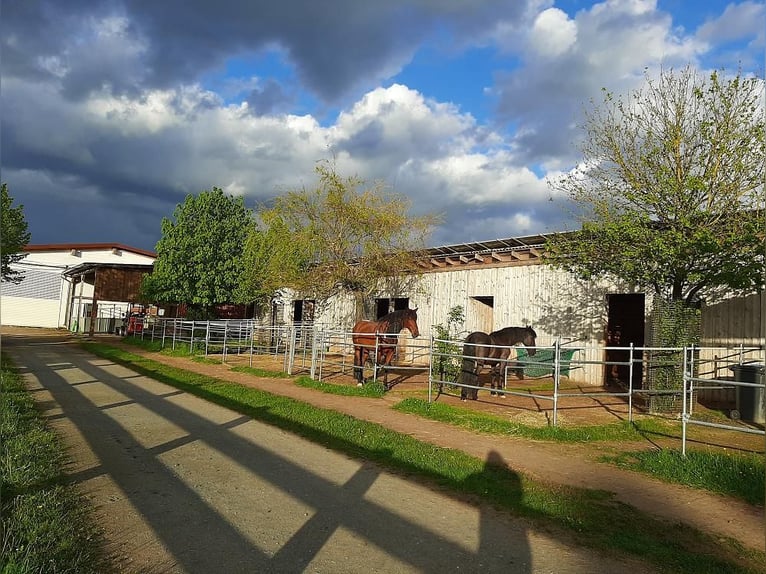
(114, 110)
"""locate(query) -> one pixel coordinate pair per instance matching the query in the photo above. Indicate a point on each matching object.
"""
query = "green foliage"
(674, 325)
(447, 360)
(672, 193)
(199, 258)
(13, 236)
(271, 260)
(337, 238)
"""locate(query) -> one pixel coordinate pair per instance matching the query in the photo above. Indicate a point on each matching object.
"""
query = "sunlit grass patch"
(372, 389)
(485, 423)
(258, 372)
(45, 525)
(734, 474)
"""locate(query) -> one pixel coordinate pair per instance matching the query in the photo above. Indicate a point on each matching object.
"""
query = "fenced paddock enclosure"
(680, 380)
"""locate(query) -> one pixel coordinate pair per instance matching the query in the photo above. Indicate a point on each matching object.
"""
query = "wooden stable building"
(503, 283)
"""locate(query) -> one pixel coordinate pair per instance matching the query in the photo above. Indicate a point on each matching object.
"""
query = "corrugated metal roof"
(489, 246)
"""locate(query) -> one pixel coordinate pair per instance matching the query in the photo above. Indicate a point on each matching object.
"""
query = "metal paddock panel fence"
(334, 356)
(554, 362)
(676, 379)
(705, 374)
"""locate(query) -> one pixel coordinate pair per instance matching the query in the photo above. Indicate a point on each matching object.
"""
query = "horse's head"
(411, 321)
(529, 341)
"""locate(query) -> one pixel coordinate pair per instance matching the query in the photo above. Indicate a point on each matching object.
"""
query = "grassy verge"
(45, 523)
(479, 422)
(258, 372)
(737, 475)
(590, 518)
(372, 389)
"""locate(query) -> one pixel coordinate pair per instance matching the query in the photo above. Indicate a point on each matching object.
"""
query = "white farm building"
(76, 286)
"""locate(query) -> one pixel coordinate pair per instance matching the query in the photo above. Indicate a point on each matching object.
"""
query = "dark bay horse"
(382, 334)
(492, 350)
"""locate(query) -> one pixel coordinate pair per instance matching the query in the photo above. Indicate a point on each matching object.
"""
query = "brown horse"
(492, 350)
(382, 335)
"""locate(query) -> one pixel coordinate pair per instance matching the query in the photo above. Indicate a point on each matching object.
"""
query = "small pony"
(492, 350)
(382, 334)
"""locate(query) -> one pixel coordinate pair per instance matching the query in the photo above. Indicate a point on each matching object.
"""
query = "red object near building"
(135, 324)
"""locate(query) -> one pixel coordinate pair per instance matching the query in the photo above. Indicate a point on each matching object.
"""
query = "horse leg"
(467, 375)
(359, 358)
(387, 356)
(497, 378)
(474, 393)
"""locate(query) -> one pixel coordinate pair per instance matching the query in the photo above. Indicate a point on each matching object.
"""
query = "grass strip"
(46, 526)
(592, 518)
(372, 389)
(739, 475)
(258, 372)
(485, 423)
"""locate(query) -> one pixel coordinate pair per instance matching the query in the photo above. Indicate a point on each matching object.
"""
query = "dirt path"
(169, 487)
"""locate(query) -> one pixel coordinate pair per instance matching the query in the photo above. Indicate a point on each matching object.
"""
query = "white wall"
(552, 301)
(41, 299)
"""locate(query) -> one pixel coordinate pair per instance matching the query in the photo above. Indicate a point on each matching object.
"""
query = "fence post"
(689, 370)
(556, 377)
(252, 340)
(290, 357)
(684, 416)
(431, 367)
(225, 338)
(314, 351)
(630, 383)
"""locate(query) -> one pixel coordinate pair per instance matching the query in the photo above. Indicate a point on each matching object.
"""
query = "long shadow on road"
(328, 524)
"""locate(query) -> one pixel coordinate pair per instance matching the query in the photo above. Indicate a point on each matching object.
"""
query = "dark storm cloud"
(114, 110)
(335, 46)
(269, 98)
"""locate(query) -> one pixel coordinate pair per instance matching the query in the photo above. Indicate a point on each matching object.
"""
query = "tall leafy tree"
(14, 236)
(339, 237)
(199, 257)
(671, 188)
(271, 261)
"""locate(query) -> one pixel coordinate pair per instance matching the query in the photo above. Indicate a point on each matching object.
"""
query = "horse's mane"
(394, 321)
(515, 329)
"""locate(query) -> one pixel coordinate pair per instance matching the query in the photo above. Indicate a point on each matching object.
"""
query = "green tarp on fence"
(541, 365)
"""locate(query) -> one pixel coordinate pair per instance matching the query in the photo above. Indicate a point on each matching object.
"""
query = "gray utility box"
(750, 400)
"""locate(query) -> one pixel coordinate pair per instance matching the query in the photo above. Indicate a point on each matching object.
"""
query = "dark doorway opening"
(625, 326)
(385, 305)
(303, 311)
